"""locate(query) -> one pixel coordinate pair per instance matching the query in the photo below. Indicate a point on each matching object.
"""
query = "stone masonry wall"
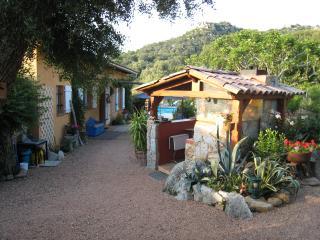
(152, 144)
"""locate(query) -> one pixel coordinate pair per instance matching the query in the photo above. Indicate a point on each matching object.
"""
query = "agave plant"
(274, 176)
(230, 160)
(138, 130)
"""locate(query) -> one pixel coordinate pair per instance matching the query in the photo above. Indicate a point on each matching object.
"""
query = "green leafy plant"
(20, 112)
(138, 130)
(274, 176)
(270, 144)
(22, 108)
(228, 183)
(185, 109)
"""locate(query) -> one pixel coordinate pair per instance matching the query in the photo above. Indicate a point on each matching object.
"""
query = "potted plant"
(138, 132)
(298, 151)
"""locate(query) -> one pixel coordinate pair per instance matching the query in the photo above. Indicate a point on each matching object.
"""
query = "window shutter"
(68, 98)
(60, 101)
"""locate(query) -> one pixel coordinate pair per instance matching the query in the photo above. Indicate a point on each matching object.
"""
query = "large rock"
(217, 197)
(276, 202)
(312, 181)
(182, 188)
(172, 183)
(202, 193)
(197, 195)
(283, 195)
(236, 206)
(207, 195)
(258, 205)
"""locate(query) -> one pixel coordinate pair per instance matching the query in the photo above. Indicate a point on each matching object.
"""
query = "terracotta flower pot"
(141, 157)
(298, 157)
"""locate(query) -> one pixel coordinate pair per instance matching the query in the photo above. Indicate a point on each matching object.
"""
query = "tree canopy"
(77, 36)
(292, 58)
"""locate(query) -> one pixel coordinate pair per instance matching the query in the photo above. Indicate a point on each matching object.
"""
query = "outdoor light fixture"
(254, 186)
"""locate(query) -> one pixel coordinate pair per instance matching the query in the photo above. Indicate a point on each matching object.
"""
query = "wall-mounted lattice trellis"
(46, 128)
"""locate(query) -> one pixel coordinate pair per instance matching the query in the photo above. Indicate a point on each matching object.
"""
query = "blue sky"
(253, 14)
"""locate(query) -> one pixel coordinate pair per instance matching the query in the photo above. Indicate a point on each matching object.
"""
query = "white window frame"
(117, 100)
(67, 98)
(123, 98)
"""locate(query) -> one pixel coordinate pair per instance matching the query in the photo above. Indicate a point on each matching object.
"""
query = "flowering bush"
(300, 147)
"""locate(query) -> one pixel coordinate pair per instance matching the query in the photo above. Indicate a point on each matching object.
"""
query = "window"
(123, 98)
(64, 96)
(60, 100)
(68, 98)
(117, 100)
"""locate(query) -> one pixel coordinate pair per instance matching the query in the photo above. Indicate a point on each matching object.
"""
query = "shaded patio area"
(100, 192)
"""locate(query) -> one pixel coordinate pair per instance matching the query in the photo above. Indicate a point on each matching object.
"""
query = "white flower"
(291, 123)
(278, 116)
(304, 117)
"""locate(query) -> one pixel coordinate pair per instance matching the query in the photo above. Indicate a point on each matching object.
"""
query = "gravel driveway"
(99, 192)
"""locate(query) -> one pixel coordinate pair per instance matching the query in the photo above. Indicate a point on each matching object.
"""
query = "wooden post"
(238, 107)
(195, 85)
(282, 107)
(154, 103)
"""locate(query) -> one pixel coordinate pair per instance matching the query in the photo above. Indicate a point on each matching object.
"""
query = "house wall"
(49, 77)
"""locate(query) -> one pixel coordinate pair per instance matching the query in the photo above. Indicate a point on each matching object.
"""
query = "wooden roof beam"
(192, 94)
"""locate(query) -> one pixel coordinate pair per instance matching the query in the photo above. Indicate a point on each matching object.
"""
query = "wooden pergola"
(195, 82)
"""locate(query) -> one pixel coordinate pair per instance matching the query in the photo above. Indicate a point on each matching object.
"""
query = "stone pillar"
(152, 144)
(205, 142)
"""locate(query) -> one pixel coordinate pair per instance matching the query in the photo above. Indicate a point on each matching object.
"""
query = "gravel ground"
(99, 192)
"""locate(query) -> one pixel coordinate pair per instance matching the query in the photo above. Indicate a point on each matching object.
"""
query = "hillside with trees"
(292, 56)
(159, 59)
(291, 53)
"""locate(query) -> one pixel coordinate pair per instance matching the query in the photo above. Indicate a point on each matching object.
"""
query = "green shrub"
(22, 108)
(228, 183)
(185, 109)
(294, 103)
(20, 112)
(138, 130)
(270, 144)
(312, 101)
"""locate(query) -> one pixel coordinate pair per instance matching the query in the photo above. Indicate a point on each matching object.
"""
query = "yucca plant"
(138, 130)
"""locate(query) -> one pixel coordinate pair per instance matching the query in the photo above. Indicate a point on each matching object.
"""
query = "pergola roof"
(232, 83)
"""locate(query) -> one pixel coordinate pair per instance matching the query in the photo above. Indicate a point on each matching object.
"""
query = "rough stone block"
(258, 205)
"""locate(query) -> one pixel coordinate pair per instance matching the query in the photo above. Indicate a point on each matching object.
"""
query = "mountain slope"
(159, 59)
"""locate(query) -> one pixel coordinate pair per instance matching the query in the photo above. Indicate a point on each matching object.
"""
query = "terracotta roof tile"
(230, 81)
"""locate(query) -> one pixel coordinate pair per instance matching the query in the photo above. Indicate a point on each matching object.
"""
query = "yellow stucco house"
(103, 108)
